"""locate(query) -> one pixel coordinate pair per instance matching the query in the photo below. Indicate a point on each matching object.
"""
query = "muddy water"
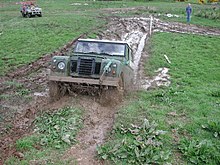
(137, 56)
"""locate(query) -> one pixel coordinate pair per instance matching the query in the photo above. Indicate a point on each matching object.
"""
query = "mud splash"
(162, 78)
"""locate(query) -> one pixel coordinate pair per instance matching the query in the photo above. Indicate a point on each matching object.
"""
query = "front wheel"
(29, 15)
(54, 90)
(23, 15)
(121, 85)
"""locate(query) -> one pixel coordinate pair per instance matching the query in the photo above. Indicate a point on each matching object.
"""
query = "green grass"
(43, 156)
(190, 108)
(24, 40)
(26, 143)
(193, 95)
(13, 84)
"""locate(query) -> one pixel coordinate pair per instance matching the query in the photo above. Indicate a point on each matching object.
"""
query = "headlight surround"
(61, 65)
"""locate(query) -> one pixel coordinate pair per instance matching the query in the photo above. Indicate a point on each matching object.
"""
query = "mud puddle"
(19, 111)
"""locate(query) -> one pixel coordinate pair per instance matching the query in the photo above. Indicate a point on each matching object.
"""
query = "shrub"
(138, 145)
(60, 127)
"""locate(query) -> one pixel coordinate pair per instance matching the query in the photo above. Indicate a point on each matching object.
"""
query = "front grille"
(86, 66)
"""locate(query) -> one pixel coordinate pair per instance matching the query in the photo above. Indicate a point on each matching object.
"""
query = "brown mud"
(98, 120)
(18, 109)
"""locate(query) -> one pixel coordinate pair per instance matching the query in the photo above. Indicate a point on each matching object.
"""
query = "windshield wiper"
(90, 53)
(106, 54)
(101, 53)
(87, 52)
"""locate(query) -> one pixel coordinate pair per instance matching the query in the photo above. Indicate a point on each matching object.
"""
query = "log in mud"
(19, 112)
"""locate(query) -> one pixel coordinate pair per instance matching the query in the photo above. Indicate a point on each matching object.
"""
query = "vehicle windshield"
(100, 48)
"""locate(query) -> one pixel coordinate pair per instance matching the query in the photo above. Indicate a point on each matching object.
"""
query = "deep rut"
(98, 120)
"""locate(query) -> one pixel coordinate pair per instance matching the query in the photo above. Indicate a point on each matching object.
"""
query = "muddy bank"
(175, 27)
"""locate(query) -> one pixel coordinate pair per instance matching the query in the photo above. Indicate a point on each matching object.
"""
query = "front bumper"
(108, 81)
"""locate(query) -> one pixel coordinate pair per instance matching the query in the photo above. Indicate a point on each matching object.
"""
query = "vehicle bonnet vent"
(86, 66)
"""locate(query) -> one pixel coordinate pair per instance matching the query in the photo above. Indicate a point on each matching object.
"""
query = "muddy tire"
(28, 15)
(113, 95)
(121, 85)
(23, 15)
(54, 91)
(121, 88)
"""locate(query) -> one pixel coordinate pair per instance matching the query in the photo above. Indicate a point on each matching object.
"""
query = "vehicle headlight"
(54, 60)
(61, 65)
(114, 65)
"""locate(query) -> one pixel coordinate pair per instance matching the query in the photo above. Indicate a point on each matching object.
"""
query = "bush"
(59, 127)
(137, 145)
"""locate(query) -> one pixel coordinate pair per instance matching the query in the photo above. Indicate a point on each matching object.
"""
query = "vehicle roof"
(107, 41)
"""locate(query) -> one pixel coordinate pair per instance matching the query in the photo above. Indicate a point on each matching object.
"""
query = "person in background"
(188, 13)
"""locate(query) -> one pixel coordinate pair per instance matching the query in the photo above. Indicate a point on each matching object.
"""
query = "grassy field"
(188, 110)
(181, 122)
(25, 40)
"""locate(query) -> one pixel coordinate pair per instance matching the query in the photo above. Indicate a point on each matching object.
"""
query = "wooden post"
(151, 22)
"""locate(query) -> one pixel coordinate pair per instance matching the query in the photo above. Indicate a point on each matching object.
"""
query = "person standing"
(188, 13)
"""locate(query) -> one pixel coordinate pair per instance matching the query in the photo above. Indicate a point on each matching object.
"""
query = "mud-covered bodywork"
(95, 62)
